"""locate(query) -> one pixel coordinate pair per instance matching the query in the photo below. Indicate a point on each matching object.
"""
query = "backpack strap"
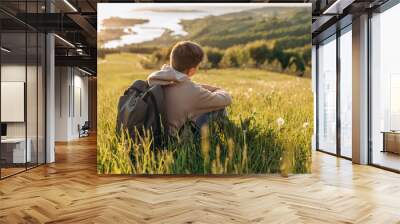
(139, 86)
(152, 97)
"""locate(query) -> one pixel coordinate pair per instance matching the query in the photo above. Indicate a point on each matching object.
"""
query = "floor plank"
(70, 191)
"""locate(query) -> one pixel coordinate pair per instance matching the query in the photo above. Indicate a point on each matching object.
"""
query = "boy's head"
(186, 56)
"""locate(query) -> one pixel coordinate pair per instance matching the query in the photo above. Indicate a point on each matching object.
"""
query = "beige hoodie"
(185, 99)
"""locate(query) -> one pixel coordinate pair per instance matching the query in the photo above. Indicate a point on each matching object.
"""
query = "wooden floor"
(387, 159)
(8, 171)
(5, 172)
(70, 191)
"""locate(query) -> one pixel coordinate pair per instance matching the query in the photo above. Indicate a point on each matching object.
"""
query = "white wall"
(71, 94)
(80, 110)
(61, 103)
(16, 73)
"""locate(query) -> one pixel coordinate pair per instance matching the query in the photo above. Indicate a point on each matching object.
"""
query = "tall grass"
(268, 129)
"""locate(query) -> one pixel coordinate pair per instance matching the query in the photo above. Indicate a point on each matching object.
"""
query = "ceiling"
(75, 21)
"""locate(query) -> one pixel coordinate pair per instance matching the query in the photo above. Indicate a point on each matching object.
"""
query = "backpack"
(142, 109)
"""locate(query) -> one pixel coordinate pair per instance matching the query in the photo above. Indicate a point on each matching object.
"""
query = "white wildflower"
(280, 121)
(305, 125)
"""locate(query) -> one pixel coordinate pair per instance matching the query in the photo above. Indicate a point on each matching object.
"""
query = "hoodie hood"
(166, 76)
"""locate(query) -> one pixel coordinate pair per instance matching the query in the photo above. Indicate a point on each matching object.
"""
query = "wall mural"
(204, 88)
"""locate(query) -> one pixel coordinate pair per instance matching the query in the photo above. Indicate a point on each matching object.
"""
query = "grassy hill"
(287, 26)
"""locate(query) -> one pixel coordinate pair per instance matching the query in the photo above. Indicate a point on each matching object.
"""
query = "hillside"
(290, 28)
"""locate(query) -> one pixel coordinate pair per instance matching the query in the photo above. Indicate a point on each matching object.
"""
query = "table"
(13, 150)
(391, 141)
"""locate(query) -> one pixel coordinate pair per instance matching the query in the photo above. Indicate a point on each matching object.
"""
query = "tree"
(231, 57)
(259, 52)
(214, 56)
(282, 57)
(299, 64)
(306, 55)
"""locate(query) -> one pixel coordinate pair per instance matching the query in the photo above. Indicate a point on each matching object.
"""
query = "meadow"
(269, 128)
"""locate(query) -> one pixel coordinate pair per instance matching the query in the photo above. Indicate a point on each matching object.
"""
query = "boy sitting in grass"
(185, 99)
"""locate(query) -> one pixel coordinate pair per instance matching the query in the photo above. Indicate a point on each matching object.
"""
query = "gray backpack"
(142, 109)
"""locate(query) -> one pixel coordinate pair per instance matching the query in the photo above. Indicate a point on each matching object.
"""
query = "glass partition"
(41, 96)
(327, 95)
(14, 153)
(31, 97)
(22, 77)
(346, 92)
(385, 89)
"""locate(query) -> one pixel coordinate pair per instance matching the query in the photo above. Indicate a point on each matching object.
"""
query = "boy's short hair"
(186, 55)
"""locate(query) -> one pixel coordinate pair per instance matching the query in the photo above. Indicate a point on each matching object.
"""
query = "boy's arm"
(211, 88)
(207, 101)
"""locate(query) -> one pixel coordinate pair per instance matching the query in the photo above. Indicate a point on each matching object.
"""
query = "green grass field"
(269, 130)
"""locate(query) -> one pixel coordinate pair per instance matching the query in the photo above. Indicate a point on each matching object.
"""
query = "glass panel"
(31, 100)
(13, 88)
(346, 93)
(22, 88)
(327, 96)
(385, 89)
(32, 88)
(41, 99)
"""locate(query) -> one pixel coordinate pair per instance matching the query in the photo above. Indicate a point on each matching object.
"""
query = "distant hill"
(290, 27)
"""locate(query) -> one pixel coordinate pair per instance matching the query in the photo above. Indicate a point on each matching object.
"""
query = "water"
(161, 17)
(158, 23)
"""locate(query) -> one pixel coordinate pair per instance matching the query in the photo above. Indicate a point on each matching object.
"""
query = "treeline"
(257, 54)
(291, 27)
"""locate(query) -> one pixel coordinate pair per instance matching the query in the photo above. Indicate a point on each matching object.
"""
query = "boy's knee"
(220, 113)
